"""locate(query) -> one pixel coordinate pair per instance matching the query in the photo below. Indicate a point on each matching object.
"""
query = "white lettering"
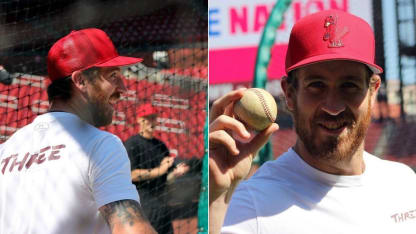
(173, 102)
(170, 125)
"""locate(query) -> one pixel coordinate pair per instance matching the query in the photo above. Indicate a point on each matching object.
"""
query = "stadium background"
(392, 134)
(172, 38)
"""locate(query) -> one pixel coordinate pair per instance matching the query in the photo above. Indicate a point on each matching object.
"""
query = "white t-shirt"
(56, 172)
(287, 196)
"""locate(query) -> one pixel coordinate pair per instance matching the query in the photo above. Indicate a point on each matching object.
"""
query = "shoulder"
(134, 139)
(135, 143)
(276, 171)
(27, 130)
(18, 133)
(103, 147)
(272, 180)
(103, 139)
(15, 141)
(108, 142)
(391, 169)
(263, 195)
(157, 141)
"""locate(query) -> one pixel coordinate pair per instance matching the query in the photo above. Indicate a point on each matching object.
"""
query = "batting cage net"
(171, 37)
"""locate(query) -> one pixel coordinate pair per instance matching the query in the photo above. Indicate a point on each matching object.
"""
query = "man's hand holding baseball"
(230, 160)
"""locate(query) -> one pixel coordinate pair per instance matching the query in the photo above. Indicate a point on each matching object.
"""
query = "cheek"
(107, 89)
(104, 93)
(304, 112)
(357, 100)
(307, 104)
(359, 104)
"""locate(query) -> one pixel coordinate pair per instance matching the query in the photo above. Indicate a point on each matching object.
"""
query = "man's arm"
(180, 170)
(126, 216)
(146, 174)
(229, 160)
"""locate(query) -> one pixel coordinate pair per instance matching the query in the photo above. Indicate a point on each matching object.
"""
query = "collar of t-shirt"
(53, 115)
(326, 178)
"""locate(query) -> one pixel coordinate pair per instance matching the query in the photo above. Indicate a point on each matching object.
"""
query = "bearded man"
(61, 173)
(326, 183)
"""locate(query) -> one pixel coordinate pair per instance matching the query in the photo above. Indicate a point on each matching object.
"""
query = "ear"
(79, 80)
(289, 94)
(375, 83)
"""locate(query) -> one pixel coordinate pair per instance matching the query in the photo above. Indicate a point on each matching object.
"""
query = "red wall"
(182, 112)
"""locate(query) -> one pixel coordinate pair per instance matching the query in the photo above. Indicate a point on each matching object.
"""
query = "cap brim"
(147, 114)
(120, 61)
(328, 57)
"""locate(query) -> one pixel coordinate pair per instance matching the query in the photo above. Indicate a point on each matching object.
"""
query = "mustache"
(116, 95)
(343, 117)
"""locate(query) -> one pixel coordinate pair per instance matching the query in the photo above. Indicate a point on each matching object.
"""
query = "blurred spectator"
(151, 169)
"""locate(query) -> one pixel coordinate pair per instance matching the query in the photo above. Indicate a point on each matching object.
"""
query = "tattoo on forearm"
(126, 212)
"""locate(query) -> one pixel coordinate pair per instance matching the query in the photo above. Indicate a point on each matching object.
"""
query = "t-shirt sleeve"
(241, 215)
(109, 174)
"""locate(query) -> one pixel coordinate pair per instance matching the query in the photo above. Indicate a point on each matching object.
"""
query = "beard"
(102, 113)
(334, 148)
(100, 109)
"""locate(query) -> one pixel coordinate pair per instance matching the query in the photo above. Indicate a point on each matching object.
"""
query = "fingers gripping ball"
(257, 109)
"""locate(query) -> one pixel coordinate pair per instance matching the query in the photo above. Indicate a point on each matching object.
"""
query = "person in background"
(152, 168)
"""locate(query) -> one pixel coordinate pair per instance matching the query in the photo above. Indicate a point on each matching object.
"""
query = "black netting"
(171, 37)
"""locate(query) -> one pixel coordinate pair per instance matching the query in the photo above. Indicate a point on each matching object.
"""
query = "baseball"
(257, 109)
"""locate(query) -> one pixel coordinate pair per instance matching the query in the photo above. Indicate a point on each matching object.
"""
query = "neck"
(146, 135)
(352, 165)
(75, 105)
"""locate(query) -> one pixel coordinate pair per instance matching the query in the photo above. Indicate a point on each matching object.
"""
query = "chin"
(336, 148)
(103, 119)
(150, 133)
(103, 123)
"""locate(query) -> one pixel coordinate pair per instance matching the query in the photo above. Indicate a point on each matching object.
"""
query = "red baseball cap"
(331, 35)
(146, 110)
(84, 49)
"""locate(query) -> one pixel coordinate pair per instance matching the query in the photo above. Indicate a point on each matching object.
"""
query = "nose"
(121, 88)
(333, 103)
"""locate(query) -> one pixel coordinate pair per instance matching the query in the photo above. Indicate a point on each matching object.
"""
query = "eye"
(316, 85)
(350, 86)
(114, 77)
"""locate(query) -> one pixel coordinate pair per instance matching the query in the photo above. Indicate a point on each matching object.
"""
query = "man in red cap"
(61, 174)
(326, 183)
(152, 168)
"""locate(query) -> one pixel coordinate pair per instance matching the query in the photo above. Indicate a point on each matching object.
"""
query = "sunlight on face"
(105, 92)
(147, 125)
(332, 108)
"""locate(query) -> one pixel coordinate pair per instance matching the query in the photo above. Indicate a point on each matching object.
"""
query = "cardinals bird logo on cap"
(332, 33)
